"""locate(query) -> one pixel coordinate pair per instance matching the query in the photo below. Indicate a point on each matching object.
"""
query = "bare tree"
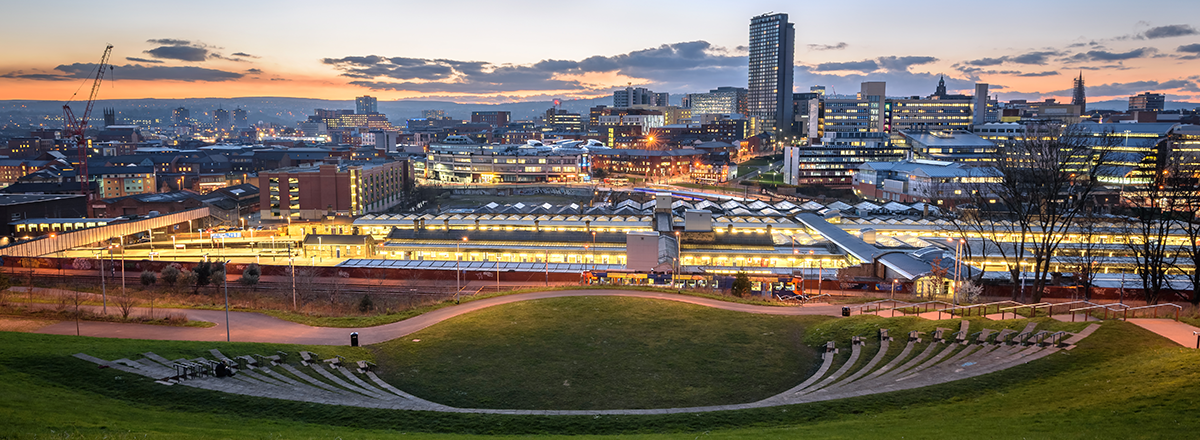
(1146, 234)
(1045, 181)
(1085, 258)
(1184, 182)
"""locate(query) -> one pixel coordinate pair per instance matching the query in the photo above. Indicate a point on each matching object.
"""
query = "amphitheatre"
(890, 359)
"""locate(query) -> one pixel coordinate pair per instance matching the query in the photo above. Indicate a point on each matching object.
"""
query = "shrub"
(741, 285)
(170, 275)
(366, 305)
(149, 278)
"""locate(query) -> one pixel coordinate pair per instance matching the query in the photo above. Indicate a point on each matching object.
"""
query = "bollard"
(354, 339)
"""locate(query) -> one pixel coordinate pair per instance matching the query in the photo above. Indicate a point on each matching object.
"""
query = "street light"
(458, 268)
(225, 282)
(678, 258)
(894, 281)
(174, 248)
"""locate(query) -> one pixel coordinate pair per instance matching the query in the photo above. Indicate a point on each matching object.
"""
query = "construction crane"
(75, 127)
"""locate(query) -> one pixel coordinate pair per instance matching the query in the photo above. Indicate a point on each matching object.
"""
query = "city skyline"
(540, 51)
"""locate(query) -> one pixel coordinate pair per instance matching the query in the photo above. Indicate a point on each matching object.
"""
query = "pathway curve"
(256, 327)
(1179, 332)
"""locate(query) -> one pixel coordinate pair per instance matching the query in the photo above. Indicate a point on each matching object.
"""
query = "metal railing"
(1155, 308)
(1115, 308)
(1032, 309)
(879, 306)
(969, 310)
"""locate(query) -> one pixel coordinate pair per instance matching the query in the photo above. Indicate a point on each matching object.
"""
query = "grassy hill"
(1121, 382)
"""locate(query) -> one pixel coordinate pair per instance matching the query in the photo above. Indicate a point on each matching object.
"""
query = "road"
(256, 327)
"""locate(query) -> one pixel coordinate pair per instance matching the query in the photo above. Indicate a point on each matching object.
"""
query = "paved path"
(1179, 332)
(256, 327)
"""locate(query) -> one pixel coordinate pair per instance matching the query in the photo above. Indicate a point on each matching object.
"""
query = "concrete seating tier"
(916, 364)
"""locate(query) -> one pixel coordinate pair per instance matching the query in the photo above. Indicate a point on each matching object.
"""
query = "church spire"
(941, 88)
(1079, 97)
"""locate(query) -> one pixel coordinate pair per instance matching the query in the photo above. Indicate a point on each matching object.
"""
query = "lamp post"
(103, 289)
(122, 273)
(225, 282)
(458, 268)
(593, 251)
(894, 281)
(174, 248)
(320, 245)
(678, 258)
(292, 263)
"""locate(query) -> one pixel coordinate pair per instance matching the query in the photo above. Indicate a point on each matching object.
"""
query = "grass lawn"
(601, 353)
(1122, 382)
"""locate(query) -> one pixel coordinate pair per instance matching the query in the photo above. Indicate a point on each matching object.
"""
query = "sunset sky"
(516, 50)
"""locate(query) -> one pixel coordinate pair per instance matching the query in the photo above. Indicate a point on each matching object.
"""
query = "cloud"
(243, 55)
(903, 63)
(1038, 58)
(20, 74)
(1175, 30)
(688, 66)
(169, 42)
(143, 60)
(859, 66)
(839, 46)
(899, 83)
(1189, 48)
(135, 72)
(1103, 55)
(1039, 74)
(986, 61)
(253, 71)
(181, 53)
(1132, 88)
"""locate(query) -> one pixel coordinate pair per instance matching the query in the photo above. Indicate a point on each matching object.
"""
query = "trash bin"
(354, 338)
(845, 312)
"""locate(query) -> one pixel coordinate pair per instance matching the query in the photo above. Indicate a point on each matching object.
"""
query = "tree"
(149, 278)
(187, 278)
(169, 275)
(1147, 231)
(365, 304)
(600, 173)
(1045, 180)
(203, 273)
(1184, 182)
(741, 285)
(1087, 254)
(250, 275)
(217, 277)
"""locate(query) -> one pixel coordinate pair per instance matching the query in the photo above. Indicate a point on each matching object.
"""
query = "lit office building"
(772, 47)
(366, 105)
(719, 101)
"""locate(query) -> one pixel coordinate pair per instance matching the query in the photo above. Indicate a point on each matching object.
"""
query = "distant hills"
(289, 110)
(1123, 104)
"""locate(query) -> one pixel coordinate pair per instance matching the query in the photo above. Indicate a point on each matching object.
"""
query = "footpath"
(256, 327)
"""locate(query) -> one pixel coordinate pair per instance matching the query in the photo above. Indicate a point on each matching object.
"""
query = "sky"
(489, 52)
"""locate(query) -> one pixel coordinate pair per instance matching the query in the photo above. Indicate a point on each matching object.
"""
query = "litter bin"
(354, 338)
(845, 312)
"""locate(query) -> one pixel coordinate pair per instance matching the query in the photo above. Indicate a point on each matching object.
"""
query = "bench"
(915, 336)
(883, 335)
(335, 361)
(364, 366)
(249, 361)
(1003, 336)
(963, 328)
(983, 335)
(937, 334)
(829, 347)
(273, 359)
(308, 357)
(856, 340)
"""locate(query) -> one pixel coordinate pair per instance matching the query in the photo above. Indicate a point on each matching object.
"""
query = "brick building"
(344, 189)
